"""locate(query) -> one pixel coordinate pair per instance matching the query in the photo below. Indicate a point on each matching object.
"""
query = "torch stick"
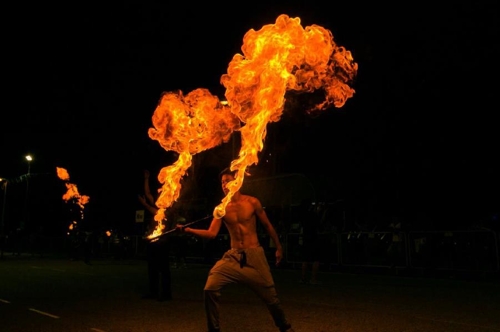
(175, 229)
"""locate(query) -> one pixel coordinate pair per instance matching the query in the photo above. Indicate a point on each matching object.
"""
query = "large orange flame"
(277, 58)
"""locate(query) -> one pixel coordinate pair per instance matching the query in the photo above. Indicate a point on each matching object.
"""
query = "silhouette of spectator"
(157, 251)
(310, 241)
(179, 243)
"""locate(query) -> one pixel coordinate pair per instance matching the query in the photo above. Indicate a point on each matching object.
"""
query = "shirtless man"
(245, 262)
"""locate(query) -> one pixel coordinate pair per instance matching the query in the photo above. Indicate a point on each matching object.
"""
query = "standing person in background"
(179, 243)
(310, 242)
(157, 250)
(245, 263)
(79, 232)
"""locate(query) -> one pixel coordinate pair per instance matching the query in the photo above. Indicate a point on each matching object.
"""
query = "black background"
(416, 142)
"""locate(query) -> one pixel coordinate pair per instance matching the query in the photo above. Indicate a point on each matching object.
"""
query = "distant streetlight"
(29, 158)
(25, 221)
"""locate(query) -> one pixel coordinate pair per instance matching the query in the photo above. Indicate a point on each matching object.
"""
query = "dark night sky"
(417, 141)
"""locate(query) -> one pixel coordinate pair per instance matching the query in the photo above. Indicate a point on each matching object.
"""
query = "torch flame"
(277, 58)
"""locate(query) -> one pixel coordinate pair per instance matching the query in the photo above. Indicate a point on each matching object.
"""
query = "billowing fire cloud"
(72, 193)
(277, 58)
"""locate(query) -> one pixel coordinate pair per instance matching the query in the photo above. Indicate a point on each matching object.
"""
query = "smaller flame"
(72, 194)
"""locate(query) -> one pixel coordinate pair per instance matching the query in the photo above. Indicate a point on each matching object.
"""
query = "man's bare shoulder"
(248, 198)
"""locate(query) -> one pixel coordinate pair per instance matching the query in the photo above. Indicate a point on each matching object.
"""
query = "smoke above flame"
(279, 57)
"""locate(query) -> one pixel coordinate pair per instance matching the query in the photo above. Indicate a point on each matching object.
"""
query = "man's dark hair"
(228, 171)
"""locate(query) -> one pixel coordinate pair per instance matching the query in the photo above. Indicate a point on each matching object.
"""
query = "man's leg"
(153, 271)
(258, 277)
(165, 282)
(153, 278)
(165, 275)
(224, 272)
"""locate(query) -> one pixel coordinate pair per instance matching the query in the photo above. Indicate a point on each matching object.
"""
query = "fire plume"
(279, 57)
(187, 124)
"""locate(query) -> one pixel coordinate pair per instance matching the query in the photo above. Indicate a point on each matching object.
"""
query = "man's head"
(226, 176)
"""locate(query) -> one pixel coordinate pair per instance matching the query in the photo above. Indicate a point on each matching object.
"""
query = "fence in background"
(474, 250)
(445, 250)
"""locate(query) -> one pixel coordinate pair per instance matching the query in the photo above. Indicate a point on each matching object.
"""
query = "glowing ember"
(73, 226)
(62, 174)
(277, 58)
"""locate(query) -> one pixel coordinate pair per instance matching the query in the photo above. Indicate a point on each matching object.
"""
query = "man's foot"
(287, 328)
